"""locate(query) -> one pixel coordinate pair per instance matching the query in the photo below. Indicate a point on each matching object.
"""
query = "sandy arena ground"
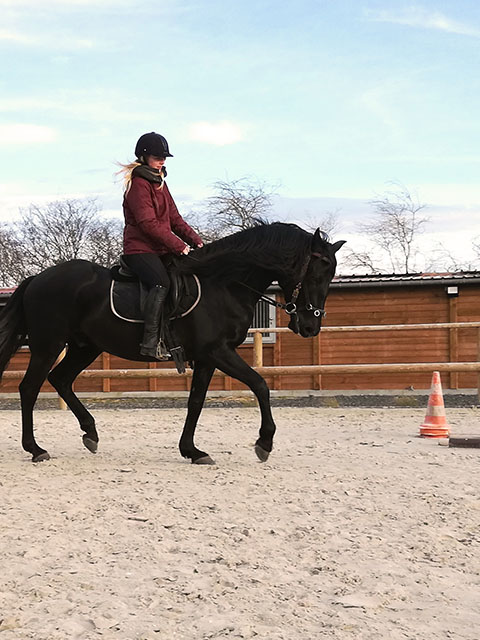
(354, 529)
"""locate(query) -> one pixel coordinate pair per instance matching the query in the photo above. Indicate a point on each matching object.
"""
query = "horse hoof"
(204, 460)
(262, 455)
(41, 457)
(90, 444)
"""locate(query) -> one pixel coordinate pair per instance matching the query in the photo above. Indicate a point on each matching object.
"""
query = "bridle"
(291, 307)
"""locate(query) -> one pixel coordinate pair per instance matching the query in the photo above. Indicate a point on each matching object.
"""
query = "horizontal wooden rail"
(309, 369)
(314, 369)
(378, 327)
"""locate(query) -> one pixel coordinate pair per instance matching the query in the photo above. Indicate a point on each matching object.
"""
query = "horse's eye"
(322, 258)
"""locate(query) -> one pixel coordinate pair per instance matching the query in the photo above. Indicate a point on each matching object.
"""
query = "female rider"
(153, 228)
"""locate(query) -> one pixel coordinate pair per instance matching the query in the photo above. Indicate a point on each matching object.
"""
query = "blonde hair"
(126, 171)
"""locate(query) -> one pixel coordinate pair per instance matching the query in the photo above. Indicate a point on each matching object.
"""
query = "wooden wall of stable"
(345, 306)
(400, 305)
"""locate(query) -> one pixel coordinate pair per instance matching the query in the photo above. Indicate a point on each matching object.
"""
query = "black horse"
(68, 304)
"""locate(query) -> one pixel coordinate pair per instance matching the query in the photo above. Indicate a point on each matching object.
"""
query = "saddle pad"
(127, 299)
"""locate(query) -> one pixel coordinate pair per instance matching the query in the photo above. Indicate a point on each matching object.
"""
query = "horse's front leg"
(233, 365)
(202, 374)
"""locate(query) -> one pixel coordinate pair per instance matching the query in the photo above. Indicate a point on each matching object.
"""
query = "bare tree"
(236, 205)
(360, 260)
(56, 232)
(12, 269)
(106, 242)
(329, 222)
(442, 259)
(476, 247)
(200, 220)
(392, 233)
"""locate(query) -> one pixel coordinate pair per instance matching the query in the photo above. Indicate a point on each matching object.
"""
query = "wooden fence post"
(453, 340)
(257, 349)
(317, 359)
(277, 350)
(478, 358)
(152, 383)
(106, 382)
(61, 402)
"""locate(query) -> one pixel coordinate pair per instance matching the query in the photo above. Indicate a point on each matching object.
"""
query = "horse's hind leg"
(202, 374)
(29, 389)
(62, 377)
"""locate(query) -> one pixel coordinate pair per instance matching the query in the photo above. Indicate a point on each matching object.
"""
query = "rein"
(291, 307)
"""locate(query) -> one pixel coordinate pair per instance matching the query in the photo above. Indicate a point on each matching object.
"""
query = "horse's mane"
(275, 247)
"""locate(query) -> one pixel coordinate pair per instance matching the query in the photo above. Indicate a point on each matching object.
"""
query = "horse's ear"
(338, 245)
(321, 237)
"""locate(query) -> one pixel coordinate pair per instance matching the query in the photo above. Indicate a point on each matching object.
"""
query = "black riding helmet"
(152, 144)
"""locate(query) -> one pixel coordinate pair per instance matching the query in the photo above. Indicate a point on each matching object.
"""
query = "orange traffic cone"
(435, 423)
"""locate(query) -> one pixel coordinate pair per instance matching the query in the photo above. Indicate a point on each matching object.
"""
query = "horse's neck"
(260, 281)
(248, 291)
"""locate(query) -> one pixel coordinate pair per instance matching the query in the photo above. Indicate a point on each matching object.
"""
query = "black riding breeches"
(149, 268)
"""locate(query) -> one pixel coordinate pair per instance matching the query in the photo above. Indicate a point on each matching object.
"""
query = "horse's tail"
(12, 325)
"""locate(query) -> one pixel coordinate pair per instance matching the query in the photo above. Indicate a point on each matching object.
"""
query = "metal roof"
(406, 279)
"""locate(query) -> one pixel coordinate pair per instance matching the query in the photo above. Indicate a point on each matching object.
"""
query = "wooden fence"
(314, 369)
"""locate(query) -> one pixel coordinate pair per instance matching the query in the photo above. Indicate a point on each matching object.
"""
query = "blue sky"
(331, 100)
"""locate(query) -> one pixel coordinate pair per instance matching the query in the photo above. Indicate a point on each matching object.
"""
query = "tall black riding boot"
(153, 313)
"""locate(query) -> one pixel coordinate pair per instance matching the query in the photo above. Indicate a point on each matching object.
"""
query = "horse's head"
(306, 294)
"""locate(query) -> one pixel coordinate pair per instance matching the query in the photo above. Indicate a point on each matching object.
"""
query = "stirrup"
(162, 351)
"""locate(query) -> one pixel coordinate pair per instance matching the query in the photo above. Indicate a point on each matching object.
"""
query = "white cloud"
(25, 134)
(451, 195)
(92, 105)
(17, 38)
(58, 41)
(216, 133)
(15, 196)
(44, 4)
(420, 17)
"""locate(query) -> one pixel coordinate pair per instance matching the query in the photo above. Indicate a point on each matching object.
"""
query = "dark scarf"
(152, 175)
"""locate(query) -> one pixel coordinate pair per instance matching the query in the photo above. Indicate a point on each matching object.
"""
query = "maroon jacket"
(152, 221)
